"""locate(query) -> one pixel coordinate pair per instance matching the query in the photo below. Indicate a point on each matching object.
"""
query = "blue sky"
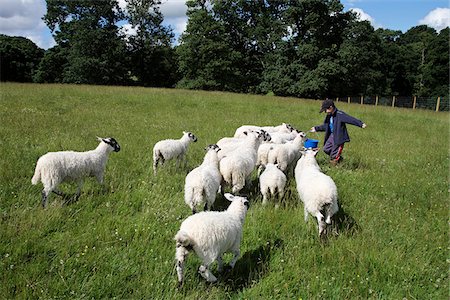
(24, 17)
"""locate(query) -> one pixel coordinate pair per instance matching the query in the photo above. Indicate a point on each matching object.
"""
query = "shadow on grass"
(343, 223)
(252, 266)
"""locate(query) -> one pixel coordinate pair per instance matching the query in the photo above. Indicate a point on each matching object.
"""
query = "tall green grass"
(117, 240)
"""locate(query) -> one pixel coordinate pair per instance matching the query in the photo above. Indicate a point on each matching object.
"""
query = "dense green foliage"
(302, 48)
(117, 240)
(19, 58)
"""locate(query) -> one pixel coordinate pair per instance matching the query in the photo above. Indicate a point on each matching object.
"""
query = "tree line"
(300, 48)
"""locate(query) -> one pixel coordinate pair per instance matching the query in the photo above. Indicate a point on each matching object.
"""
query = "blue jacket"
(340, 118)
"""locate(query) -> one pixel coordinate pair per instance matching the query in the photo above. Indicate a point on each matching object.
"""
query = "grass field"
(117, 240)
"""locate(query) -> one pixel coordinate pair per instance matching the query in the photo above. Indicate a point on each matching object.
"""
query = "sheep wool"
(317, 191)
(286, 155)
(54, 168)
(203, 182)
(284, 127)
(170, 149)
(272, 181)
(211, 234)
(237, 166)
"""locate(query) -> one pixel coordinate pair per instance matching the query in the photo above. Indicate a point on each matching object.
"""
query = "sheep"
(264, 148)
(54, 168)
(317, 191)
(283, 137)
(272, 180)
(286, 154)
(229, 144)
(284, 127)
(169, 149)
(237, 166)
(210, 234)
(203, 182)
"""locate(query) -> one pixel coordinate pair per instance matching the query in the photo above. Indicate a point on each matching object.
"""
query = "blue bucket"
(311, 143)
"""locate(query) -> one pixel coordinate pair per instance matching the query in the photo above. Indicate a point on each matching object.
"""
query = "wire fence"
(413, 102)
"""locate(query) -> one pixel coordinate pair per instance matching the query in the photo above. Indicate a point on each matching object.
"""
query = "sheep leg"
(157, 160)
(280, 194)
(330, 210)
(180, 254)
(264, 202)
(322, 224)
(99, 177)
(80, 185)
(306, 214)
(219, 264)
(206, 273)
(236, 253)
(44, 193)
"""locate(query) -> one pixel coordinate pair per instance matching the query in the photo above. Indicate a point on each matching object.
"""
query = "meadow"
(390, 240)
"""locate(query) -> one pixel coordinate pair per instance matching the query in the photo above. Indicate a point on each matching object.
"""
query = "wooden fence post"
(376, 100)
(337, 99)
(438, 103)
(362, 99)
(348, 99)
(414, 102)
(393, 101)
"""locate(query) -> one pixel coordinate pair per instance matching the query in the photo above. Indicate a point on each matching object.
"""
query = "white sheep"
(230, 144)
(283, 137)
(285, 155)
(211, 234)
(54, 168)
(272, 181)
(170, 149)
(237, 165)
(284, 127)
(203, 182)
(317, 191)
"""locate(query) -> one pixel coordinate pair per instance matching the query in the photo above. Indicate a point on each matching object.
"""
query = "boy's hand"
(313, 129)
(364, 125)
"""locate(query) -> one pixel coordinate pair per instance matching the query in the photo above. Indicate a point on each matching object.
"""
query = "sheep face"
(113, 143)
(191, 136)
(212, 147)
(288, 127)
(266, 136)
(242, 200)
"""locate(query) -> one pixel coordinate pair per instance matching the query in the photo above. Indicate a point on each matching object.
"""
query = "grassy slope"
(117, 240)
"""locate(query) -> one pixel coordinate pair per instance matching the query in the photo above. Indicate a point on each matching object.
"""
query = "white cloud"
(174, 9)
(438, 18)
(363, 16)
(24, 18)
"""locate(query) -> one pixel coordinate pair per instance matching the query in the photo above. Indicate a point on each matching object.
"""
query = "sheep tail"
(37, 175)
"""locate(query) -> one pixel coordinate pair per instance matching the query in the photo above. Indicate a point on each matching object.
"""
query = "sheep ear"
(303, 151)
(99, 139)
(229, 196)
(316, 150)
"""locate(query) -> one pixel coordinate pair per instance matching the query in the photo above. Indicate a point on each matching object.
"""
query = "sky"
(24, 17)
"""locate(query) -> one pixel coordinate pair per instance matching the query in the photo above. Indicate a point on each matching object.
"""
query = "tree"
(359, 61)
(52, 65)
(303, 61)
(415, 44)
(19, 58)
(206, 58)
(153, 60)
(436, 72)
(89, 36)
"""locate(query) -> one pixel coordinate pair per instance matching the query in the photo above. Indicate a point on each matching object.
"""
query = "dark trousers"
(334, 151)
